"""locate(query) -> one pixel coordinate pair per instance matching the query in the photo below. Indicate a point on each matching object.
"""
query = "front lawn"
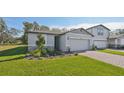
(112, 52)
(5, 47)
(13, 63)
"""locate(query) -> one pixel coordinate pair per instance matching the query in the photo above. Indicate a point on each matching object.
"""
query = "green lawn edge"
(115, 52)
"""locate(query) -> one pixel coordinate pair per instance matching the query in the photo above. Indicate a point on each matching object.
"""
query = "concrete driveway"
(116, 60)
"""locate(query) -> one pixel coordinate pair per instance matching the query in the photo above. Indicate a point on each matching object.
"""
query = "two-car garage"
(79, 44)
(78, 40)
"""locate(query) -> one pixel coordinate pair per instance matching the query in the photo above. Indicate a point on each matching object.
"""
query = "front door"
(56, 42)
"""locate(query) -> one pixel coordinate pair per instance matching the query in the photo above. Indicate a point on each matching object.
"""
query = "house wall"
(50, 41)
(111, 41)
(95, 31)
(32, 38)
(122, 41)
(116, 42)
(62, 43)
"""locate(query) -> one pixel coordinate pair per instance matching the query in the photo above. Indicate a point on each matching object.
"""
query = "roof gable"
(79, 31)
(98, 26)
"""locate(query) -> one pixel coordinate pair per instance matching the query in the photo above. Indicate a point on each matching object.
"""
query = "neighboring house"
(101, 34)
(116, 41)
(74, 40)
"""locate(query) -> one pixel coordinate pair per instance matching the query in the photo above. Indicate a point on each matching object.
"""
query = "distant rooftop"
(116, 36)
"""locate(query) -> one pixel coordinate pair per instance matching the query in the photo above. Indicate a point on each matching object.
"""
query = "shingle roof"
(47, 32)
(61, 32)
(57, 32)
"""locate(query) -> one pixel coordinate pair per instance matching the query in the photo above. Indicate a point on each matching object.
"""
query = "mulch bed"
(30, 57)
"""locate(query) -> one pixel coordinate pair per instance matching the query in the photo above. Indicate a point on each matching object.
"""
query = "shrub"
(38, 52)
(40, 44)
(122, 47)
(50, 52)
(35, 53)
(94, 47)
(68, 49)
(76, 54)
(58, 52)
(44, 52)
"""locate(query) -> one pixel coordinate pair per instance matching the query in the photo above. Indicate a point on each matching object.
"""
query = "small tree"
(40, 44)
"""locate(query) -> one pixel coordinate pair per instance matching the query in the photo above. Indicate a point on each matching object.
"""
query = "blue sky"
(62, 21)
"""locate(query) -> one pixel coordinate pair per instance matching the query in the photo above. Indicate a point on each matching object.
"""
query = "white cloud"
(112, 25)
(115, 25)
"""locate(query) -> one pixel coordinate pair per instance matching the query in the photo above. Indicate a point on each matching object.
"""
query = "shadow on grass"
(14, 51)
(17, 58)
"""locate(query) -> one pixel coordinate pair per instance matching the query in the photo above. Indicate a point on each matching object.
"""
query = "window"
(100, 31)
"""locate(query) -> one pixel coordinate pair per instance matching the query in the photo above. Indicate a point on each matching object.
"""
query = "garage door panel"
(79, 44)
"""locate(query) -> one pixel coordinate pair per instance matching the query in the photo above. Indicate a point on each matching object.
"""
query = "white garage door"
(100, 43)
(79, 44)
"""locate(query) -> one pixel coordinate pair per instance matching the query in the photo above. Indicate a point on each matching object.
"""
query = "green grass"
(112, 52)
(12, 63)
(5, 47)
